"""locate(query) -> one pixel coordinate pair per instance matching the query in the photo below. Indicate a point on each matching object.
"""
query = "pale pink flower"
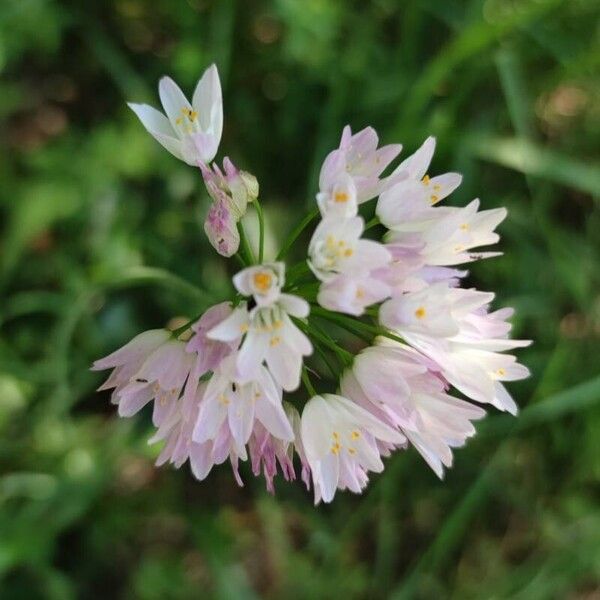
(466, 343)
(220, 226)
(359, 157)
(410, 202)
(352, 294)
(152, 366)
(415, 401)
(340, 441)
(191, 132)
(238, 405)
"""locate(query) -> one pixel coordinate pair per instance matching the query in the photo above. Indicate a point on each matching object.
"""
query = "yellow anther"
(244, 327)
(179, 120)
(501, 372)
(425, 180)
(223, 399)
(420, 312)
(348, 252)
(256, 395)
(275, 341)
(351, 451)
(434, 198)
(360, 293)
(355, 435)
(277, 324)
(336, 435)
(464, 226)
(335, 449)
(341, 197)
(263, 280)
(437, 187)
(341, 243)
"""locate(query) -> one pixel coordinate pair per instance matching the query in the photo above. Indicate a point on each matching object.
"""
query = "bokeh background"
(101, 238)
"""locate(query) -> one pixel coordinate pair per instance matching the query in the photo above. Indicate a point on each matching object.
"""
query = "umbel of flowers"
(434, 352)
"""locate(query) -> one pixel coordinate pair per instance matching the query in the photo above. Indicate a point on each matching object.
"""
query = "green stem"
(240, 259)
(296, 233)
(352, 323)
(344, 356)
(245, 245)
(372, 223)
(307, 383)
(261, 225)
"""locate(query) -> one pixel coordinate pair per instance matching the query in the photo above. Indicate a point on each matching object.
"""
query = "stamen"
(425, 180)
(420, 312)
(263, 281)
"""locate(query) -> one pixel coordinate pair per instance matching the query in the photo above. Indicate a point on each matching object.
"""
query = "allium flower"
(270, 334)
(340, 441)
(150, 367)
(465, 344)
(411, 201)
(345, 263)
(358, 157)
(220, 395)
(192, 132)
(415, 400)
(227, 400)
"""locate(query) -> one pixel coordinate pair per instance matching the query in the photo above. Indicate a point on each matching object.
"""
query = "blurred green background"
(98, 222)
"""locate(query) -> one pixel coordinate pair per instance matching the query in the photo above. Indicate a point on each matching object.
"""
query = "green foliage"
(101, 237)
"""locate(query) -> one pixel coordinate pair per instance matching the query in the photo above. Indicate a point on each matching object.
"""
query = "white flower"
(340, 199)
(192, 132)
(351, 294)
(447, 241)
(413, 399)
(465, 341)
(340, 441)
(410, 202)
(262, 282)
(270, 334)
(226, 399)
(336, 248)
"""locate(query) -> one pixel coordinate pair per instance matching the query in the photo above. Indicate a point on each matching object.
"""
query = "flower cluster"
(217, 384)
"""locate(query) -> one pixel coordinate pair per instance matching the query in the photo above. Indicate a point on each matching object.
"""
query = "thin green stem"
(307, 383)
(296, 233)
(240, 259)
(261, 228)
(352, 323)
(245, 245)
(372, 223)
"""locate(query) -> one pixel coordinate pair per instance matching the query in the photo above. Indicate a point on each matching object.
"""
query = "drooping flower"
(268, 451)
(238, 404)
(270, 335)
(433, 421)
(191, 132)
(150, 367)
(340, 441)
(453, 327)
(359, 158)
(409, 203)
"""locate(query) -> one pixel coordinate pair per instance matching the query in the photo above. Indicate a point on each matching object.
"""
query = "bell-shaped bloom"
(270, 337)
(415, 401)
(189, 131)
(267, 452)
(358, 157)
(239, 405)
(465, 343)
(410, 202)
(179, 446)
(220, 227)
(340, 441)
(152, 366)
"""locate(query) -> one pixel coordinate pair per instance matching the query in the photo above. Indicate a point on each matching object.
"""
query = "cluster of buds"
(217, 384)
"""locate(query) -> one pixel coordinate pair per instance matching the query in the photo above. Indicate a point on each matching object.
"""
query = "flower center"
(341, 197)
(263, 281)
